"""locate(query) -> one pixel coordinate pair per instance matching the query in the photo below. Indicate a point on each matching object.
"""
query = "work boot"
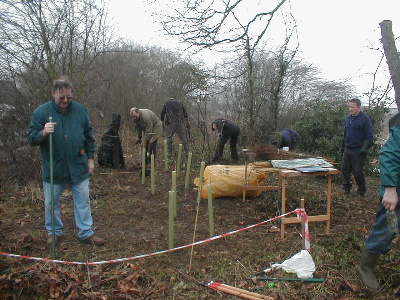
(93, 240)
(366, 269)
(57, 240)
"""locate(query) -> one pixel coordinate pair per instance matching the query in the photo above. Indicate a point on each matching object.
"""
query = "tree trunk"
(392, 57)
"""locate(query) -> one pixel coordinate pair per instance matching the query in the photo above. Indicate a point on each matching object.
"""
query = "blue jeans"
(82, 211)
(380, 239)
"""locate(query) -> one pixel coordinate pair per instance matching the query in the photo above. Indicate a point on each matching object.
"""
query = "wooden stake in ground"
(202, 167)
(210, 210)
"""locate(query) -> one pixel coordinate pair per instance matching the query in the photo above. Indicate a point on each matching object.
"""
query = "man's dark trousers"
(353, 161)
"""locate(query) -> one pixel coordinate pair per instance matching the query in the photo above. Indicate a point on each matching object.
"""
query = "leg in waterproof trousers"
(181, 130)
(359, 176)
(169, 132)
(233, 146)
(366, 269)
(220, 147)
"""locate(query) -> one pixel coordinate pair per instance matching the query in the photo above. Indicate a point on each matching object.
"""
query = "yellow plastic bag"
(228, 181)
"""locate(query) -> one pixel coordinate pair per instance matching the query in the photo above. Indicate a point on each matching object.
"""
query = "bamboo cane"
(202, 166)
(210, 209)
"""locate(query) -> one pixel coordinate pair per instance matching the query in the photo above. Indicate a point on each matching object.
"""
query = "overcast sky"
(335, 36)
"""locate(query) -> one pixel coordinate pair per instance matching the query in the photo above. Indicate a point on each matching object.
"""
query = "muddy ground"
(135, 223)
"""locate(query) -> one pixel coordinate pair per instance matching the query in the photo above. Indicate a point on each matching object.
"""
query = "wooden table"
(248, 187)
(284, 175)
(281, 186)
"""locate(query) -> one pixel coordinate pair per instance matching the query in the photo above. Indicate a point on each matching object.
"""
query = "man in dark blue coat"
(290, 138)
(357, 140)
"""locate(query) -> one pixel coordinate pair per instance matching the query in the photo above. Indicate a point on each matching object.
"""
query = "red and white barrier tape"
(300, 213)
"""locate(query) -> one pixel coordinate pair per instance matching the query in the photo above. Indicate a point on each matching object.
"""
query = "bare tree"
(206, 24)
(392, 57)
(40, 40)
(43, 39)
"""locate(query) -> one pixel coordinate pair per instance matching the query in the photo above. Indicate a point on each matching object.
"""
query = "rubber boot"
(366, 269)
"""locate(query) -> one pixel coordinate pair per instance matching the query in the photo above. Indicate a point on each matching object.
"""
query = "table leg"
(245, 179)
(328, 204)
(283, 198)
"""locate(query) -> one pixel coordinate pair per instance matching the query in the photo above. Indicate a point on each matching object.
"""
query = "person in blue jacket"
(73, 158)
(286, 138)
(357, 140)
(380, 237)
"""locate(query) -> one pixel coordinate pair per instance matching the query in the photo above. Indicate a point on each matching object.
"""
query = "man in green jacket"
(381, 236)
(73, 151)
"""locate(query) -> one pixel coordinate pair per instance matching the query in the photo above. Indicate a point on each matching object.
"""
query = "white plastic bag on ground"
(301, 263)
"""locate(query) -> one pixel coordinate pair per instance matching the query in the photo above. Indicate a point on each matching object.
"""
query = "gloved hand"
(90, 165)
(366, 146)
(138, 141)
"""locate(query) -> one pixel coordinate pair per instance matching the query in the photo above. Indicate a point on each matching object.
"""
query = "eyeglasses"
(63, 98)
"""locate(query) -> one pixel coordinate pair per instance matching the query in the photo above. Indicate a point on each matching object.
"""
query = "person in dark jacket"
(227, 130)
(175, 119)
(380, 237)
(110, 152)
(286, 138)
(148, 128)
(357, 140)
(73, 159)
